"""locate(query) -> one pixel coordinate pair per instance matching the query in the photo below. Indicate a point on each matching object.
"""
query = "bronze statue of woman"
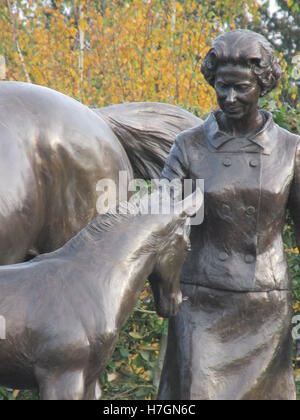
(232, 339)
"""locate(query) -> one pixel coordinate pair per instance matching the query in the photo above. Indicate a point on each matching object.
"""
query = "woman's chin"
(235, 115)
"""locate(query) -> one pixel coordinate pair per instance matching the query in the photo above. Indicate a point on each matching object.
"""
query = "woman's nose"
(231, 96)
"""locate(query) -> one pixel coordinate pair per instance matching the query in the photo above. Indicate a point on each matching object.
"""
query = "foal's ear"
(190, 206)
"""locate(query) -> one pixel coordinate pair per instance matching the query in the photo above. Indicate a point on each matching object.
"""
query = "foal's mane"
(107, 223)
(104, 224)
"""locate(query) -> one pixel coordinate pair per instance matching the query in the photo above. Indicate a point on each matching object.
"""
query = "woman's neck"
(245, 127)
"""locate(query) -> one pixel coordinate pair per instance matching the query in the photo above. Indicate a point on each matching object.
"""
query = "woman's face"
(237, 91)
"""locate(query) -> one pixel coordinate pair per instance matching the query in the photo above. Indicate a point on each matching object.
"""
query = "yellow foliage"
(134, 51)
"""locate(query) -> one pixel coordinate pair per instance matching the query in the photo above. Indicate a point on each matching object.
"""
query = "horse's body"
(54, 150)
(64, 310)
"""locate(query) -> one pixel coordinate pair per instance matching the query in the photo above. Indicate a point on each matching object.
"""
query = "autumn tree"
(104, 52)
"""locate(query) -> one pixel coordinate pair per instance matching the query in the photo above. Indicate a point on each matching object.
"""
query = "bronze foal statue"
(64, 310)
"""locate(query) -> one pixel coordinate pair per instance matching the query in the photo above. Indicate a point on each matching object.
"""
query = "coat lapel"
(224, 142)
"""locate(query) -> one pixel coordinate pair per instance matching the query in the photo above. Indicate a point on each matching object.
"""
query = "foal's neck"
(119, 275)
(126, 290)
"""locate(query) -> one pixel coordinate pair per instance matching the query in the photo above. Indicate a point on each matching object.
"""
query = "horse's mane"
(147, 132)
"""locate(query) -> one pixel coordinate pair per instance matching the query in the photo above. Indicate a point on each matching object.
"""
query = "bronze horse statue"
(72, 303)
(54, 150)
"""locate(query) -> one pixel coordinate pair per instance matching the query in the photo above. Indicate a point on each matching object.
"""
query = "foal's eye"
(188, 246)
(178, 239)
(179, 233)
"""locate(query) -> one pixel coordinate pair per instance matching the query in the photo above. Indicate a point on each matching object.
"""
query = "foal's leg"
(60, 386)
(93, 392)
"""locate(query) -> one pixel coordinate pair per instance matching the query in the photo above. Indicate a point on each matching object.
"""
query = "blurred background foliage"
(103, 52)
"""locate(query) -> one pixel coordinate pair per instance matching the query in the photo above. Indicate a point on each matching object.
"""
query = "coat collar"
(217, 138)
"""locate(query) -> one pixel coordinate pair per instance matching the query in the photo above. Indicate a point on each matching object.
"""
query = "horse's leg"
(60, 386)
(93, 392)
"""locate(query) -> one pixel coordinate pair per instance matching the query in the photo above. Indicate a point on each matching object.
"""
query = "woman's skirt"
(230, 346)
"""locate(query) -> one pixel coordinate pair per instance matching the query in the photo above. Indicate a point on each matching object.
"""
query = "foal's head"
(165, 279)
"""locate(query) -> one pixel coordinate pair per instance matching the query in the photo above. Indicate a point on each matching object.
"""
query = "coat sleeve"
(176, 166)
(294, 197)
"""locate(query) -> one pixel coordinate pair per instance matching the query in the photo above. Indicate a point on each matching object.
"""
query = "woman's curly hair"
(248, 49)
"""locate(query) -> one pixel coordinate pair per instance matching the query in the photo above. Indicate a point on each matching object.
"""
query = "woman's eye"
(243, 88)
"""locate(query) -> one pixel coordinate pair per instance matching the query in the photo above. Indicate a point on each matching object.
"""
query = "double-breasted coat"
(232, 339)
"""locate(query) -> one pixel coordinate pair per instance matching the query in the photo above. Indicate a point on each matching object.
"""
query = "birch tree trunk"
(81, 47)
(2, 68)
(16, 40)
(173, 17)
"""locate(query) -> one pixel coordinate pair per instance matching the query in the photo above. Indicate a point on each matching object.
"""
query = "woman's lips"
(232, 109)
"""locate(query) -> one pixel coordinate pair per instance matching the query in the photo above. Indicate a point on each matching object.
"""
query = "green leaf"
(135, 335)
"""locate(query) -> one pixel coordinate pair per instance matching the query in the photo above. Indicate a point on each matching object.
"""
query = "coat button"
(250, 211)
(254, 163)
(249, 259)
(223, 256)
(227, 162)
